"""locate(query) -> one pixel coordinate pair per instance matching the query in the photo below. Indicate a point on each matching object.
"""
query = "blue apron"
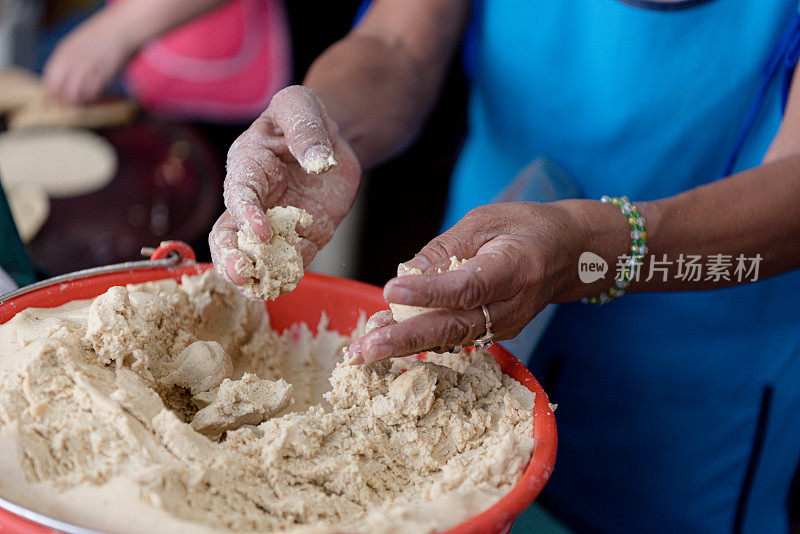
(678, 412)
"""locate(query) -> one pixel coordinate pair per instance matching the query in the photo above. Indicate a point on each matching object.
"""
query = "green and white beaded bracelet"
(637, 252)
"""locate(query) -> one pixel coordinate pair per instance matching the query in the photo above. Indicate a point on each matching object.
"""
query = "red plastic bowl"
(343, 301)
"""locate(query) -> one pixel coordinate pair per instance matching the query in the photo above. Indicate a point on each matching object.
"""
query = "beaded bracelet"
(638, 250)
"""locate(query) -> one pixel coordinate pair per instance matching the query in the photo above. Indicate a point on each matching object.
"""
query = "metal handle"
(167, 254)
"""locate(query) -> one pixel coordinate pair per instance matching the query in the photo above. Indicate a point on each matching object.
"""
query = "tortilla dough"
(275, 268)
(23, 94)
(18, 87)
(64, 162)
(30, 208)
(402, 312)
(47, 113)
(94, 431)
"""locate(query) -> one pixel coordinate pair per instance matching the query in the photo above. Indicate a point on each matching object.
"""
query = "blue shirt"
(678, 412)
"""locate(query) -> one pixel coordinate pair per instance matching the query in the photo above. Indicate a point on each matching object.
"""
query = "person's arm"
(380, 81)
(753, 214)
(144, 20)
(86, 60)
(365, 99)
(525, 255)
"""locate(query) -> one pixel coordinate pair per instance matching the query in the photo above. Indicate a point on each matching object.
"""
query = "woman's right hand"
(292, 155)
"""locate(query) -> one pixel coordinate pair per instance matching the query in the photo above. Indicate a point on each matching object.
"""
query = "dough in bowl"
(166, 407)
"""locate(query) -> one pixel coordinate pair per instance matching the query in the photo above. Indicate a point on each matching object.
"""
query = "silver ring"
(486, 340)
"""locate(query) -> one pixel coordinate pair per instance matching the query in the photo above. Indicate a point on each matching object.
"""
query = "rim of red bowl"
(313, 289)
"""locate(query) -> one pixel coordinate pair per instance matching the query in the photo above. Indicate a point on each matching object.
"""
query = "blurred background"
(143, 157)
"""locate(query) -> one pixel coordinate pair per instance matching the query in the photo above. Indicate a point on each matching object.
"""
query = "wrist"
(596, 228)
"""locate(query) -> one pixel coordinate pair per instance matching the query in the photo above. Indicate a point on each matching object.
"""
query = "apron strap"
(781, 62)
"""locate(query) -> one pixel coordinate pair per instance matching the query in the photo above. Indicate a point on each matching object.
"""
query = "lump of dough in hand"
(201, 366)
(401, 312)
(275, 267)
(249, 401)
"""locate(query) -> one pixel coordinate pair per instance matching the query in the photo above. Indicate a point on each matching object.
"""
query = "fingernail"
(417, 262)
(233, 274)
(358, 359)
(353, 355)
(378, 352)
(398, 295)
(318, 159)
(370, 326)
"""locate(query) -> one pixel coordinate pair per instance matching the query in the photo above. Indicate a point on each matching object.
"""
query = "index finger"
(255, 179)
(491, 275)
(463, 241)
(301, 116)
(225, 254)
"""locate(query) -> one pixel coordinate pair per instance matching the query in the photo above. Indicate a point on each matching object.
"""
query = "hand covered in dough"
(86, 60)
(292, 155)
(520, 257)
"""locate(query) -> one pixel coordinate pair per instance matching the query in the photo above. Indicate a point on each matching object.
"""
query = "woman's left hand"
(521, 256)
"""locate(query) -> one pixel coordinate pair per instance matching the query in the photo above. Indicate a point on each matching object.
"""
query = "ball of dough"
(275, 267)
(201, 366)
(402, 312)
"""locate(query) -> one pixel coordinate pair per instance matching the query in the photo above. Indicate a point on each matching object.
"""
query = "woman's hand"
(292, 155)
(521, 256)
(86, 60)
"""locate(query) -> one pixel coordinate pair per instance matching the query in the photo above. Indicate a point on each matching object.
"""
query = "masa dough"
(249, 401)
(101, 402)
(48, 113)
(30, 208)
(401, 312)
(23, 95)
(18, 87)
(275, 267)
(64, 162)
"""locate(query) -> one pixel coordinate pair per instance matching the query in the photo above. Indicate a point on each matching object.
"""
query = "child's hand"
(86, 60)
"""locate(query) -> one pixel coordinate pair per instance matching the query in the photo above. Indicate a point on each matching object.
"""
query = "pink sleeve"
(223, 67)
